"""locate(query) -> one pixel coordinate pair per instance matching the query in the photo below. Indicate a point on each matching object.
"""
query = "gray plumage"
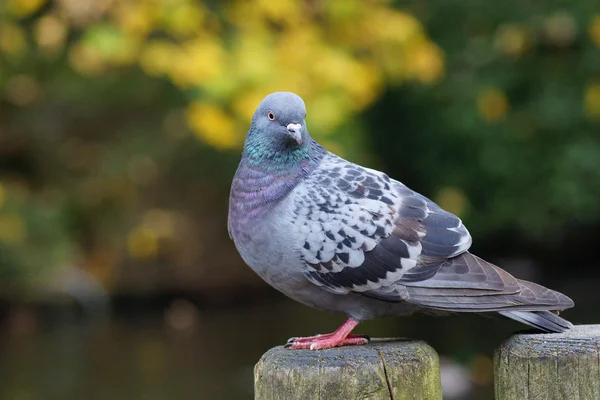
(340, 237)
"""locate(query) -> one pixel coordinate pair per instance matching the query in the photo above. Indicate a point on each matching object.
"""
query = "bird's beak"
(295, 131)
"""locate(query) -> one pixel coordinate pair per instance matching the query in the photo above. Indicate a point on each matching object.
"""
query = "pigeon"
(340, 237)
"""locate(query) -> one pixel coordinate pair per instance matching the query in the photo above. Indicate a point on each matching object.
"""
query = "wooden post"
(549, 366)
(395, 369)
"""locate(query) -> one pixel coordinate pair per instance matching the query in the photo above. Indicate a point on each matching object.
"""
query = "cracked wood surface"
(395, 369)
(549, 366)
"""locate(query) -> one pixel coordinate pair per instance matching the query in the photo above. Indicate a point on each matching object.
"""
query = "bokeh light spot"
(453, 200)
(511, 40)
(22, 90)
(594, 30)
(142, 242)
(24, 8)
(591, 100)
(12, 40)
(492, 104)
(50, 33)
(12, 228)
(2, 195)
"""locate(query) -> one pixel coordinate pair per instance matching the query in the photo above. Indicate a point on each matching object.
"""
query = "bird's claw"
(325, 341)
(307, 338)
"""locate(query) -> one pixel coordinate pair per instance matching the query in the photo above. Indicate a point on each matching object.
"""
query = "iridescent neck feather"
(268, 172)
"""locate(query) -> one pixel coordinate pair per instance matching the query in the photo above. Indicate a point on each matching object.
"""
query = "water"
(188, 353)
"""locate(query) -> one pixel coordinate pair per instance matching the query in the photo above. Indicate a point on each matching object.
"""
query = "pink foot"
(327, 343)
(321, 337)
(341, 337)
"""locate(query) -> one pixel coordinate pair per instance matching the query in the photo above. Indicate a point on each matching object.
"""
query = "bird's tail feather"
(467, 283)
(529, 297)
(543, 320)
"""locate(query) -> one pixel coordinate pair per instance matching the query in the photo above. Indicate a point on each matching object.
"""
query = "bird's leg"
(340, 337)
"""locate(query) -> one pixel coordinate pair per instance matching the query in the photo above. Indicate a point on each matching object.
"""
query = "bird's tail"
(542, 320)
(467, 283)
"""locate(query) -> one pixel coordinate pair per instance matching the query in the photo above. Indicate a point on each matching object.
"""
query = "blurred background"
(121, 125)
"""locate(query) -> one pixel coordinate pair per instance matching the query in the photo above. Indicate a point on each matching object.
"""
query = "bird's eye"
(271, 116)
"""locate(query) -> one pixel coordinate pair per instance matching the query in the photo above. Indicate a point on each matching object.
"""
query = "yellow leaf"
(283, 11)
(328, 111)
(23, 8)
(245, 103)
(137, 17)
(182, 20)
(394, 25)
(213, 125)
(295, 49)
(364, 84)
(342, 10)
(426, 62)
(331, 66)
(157, 57)
(199, 60)
(254, 58)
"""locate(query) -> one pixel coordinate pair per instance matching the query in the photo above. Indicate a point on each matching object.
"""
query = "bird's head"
(280, 118)
(278, 129)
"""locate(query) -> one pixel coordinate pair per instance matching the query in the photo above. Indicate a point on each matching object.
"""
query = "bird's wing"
(361, 231)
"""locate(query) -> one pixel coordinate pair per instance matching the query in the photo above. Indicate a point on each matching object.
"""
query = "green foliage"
(514, 125)
(121, 122)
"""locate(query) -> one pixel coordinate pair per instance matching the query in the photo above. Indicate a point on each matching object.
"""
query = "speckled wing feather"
(361, 231)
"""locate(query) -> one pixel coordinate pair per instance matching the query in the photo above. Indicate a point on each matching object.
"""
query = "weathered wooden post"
(395, 369)
(547, 367)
